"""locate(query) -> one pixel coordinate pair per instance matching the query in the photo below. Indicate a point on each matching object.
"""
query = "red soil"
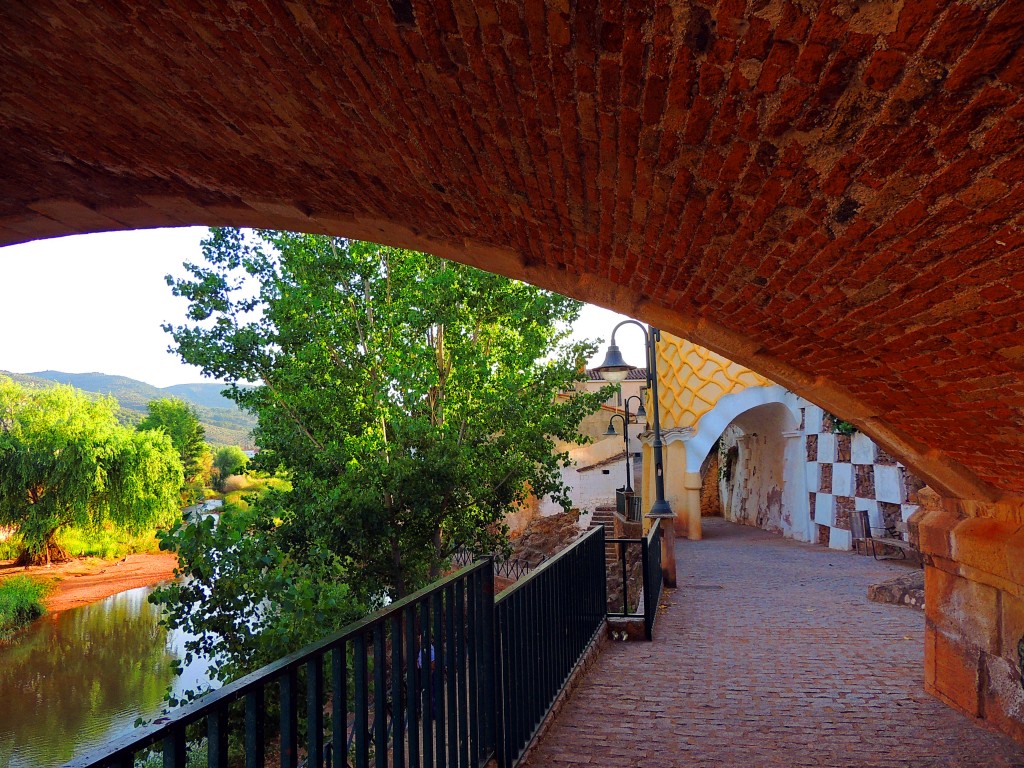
(89, 579)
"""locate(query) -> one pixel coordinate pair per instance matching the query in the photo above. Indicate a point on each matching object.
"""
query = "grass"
(21, 601)
(107, 542)
(237, 487)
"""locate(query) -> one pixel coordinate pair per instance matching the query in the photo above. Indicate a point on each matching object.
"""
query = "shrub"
(839, 426)
(236, 483)
(21, 601)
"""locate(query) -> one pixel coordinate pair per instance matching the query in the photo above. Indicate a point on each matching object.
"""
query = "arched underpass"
(828, 193)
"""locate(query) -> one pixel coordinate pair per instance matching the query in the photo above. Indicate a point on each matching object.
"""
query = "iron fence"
(545, 624)
(624, 565)
(650, 570)
(447, 676)
(652, 577)
(512, 569)
(629, 505)
(408, 685)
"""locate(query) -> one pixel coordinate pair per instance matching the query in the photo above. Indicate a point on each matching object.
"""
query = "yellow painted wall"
(691, 381)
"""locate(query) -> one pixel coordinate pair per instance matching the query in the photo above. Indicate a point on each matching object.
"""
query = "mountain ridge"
(223, 421)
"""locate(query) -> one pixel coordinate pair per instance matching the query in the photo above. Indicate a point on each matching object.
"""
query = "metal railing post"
(646, 566)
(489, 694)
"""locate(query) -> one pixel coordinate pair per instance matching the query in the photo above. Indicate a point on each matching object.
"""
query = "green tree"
(179, 421)
(229, 460)
(413, 401)
(64, 459)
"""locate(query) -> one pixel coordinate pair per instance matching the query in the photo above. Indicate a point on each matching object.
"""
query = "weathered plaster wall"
(710, 496)
(759, 490)
(596, 470)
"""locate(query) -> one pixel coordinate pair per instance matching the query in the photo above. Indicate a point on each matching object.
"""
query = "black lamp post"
(615, 369)
(628, 488)
(640, 413)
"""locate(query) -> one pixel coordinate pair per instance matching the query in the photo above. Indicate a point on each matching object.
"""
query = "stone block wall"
(974, 608)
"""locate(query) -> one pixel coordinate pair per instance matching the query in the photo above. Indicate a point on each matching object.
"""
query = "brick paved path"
(769, 654)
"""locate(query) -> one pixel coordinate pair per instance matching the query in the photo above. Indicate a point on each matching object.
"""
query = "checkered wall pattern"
(850, 472)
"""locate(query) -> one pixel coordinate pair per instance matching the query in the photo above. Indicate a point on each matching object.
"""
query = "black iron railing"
(545, 624)
(634, 509)
(652, 577)
(629, 505)
(448, 676)
(512, 569)
(624, 567)
(409, 685)
(650, 570)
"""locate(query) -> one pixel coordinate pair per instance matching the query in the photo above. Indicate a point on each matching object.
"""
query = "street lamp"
(626, 432)
(641, 412)
(628, 488)
(615, 369)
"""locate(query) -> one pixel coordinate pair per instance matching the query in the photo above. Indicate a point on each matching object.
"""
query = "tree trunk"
(435, 571)
(50, 552)
(396, 562)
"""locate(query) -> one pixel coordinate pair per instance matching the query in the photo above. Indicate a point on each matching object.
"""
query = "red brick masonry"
(827, 192)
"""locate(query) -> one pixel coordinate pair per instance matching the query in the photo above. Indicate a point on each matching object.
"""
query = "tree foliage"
(413, 401)
(246, 601)
(64, 458)
(180, 422)
(229, 460)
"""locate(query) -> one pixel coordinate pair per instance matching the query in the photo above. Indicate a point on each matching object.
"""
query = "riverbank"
(88, 579)
(21, 602)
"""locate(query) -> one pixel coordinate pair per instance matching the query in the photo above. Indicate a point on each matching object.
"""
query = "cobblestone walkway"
(769, 654)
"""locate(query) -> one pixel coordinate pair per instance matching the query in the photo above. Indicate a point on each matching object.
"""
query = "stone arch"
(416, 132)
(687, 449)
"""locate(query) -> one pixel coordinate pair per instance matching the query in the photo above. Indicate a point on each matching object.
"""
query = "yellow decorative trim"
(692, 379)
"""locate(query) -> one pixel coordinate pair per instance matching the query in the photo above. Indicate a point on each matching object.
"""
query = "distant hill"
(206, 395)
(224, 422)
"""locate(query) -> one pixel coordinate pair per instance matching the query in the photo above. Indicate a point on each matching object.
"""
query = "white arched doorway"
(770, 484)
(761, 481)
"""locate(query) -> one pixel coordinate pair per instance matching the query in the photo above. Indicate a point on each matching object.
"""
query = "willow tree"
(414, 402)
(65, 459)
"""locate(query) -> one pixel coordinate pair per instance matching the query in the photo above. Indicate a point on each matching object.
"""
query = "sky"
(96, 302)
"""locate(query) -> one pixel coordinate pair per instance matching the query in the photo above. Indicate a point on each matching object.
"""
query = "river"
(78, 678)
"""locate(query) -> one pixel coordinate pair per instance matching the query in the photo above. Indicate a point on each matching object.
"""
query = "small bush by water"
(21, 601)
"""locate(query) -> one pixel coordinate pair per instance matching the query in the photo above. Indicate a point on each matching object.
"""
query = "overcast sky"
(96, 302)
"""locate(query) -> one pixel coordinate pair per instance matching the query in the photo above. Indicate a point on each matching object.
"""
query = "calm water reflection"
(80, 677)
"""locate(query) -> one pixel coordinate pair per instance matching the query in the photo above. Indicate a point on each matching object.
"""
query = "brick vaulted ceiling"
(829, 192)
